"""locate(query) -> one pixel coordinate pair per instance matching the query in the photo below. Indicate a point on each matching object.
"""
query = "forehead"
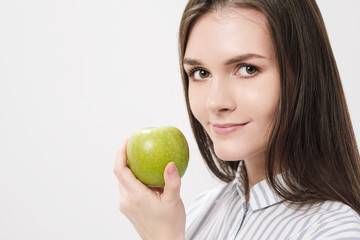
(232, 14)
(227, 31)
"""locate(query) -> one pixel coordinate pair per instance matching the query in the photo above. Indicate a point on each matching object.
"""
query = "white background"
(76, 78)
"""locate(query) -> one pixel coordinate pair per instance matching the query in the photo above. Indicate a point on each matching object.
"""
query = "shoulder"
(203, 200)
(332, 220)
(203, 203)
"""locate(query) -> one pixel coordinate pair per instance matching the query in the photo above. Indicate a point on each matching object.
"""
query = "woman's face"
(234, 83)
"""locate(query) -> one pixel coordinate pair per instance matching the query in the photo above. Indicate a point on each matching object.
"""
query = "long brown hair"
(312, 139)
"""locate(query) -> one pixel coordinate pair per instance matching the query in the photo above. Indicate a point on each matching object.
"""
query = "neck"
(255, 169)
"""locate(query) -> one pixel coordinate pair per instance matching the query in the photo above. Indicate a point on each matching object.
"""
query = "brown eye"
(247, 71)
(201, 74)
(250, 70)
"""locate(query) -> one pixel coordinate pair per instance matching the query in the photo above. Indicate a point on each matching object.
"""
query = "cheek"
(266, 97)
(272, 101)
(265, 112)
(197, 102)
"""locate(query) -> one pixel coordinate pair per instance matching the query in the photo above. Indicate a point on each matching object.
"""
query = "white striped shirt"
(223, 214)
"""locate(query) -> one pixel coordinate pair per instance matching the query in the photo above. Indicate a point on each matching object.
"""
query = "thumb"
(172, 183)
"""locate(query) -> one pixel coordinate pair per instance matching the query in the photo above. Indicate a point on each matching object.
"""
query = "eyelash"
(257, 70)
(192, 71)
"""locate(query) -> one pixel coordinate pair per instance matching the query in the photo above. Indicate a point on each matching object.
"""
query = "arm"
(155, 215)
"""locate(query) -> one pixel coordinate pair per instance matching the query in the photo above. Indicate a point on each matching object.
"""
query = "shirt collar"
(262, 195)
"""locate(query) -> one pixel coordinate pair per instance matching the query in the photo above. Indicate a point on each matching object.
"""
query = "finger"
(121, 156)
(122, 190)
(121, 170)
(126, 178)
(119, 165)
(172, 184)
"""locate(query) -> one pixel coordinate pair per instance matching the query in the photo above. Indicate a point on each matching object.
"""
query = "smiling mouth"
(228, 128)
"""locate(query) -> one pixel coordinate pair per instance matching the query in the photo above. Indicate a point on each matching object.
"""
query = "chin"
(228, 154)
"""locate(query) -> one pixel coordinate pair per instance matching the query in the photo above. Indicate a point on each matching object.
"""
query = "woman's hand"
(156, 213)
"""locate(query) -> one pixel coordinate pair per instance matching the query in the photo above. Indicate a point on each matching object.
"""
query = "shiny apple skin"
(149, 150)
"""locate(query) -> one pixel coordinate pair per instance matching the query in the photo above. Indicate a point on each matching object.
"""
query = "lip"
(227, 128)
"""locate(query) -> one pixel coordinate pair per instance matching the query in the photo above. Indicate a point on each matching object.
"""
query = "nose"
(220, 97)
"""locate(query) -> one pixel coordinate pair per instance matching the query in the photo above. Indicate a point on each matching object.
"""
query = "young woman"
(270, 118)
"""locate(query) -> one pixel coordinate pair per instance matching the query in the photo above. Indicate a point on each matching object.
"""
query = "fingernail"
(172, 169)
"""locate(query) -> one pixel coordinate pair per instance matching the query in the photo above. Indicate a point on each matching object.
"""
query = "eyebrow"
(240, 58)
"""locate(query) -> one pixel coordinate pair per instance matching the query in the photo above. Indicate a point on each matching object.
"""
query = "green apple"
(149, 150)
